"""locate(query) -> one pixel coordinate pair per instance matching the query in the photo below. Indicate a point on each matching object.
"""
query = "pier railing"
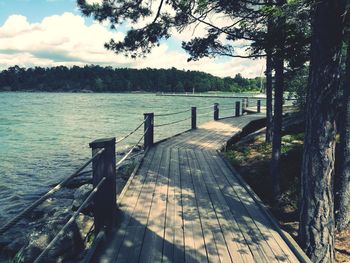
(104, 166)
(218, 111)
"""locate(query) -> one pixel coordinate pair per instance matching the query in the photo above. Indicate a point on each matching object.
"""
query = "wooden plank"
(292, 245)
(196, 141)
(214, 240)
(152, 247)
(179, 241)
(237, 210)
(138, 181)
(191, 140)
(274, 240)
(264, 235)
(195, 250)
(240, 237)
(233, 237)
(131, 178)
(173, 249)
(124, 215)
(215, 141)
(130, 250)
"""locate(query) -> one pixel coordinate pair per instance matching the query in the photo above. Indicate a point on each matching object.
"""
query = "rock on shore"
(27, 239)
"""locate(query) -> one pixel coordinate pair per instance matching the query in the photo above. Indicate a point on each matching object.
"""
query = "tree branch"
(238, 56)
(158, 12)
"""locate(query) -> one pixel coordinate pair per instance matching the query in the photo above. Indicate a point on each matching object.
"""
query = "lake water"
(44, 136)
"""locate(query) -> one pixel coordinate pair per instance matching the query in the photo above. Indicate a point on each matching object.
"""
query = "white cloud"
(67, 40)
(161, 57)
(90, 2)
(61, 38)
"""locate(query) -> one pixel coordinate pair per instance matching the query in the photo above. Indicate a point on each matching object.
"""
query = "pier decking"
(186, 204)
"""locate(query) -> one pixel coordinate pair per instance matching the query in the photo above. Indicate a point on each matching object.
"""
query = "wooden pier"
(185, 203)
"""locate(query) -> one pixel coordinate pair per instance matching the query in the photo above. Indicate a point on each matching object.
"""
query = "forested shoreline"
(94, 78)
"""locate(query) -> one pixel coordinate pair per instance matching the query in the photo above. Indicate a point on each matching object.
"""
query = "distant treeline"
(107, 79)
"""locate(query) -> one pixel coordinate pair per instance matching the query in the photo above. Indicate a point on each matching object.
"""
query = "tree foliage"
(107, 79)
(223, 22)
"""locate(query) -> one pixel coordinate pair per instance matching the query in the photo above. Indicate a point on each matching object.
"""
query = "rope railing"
(132, 132)
(206, 107)
(171, 123)
(70, 221)
(59, 186)
(227, 105)
(227, 108)
(171, 113)
(130, 151)
(136, 154)
(206, 113)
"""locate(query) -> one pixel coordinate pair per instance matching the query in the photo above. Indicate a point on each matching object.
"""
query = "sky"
(50, 33)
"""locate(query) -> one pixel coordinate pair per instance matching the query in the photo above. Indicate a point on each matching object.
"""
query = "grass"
(252, 161)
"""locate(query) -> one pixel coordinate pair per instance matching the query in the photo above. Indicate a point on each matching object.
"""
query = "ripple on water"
(45, 136)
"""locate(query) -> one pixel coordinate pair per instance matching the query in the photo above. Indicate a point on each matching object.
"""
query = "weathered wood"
(232, 234)
(245, 102)
(183, 205)
(131, 248)
(148, 129)
(214, 239)
(194, 118)
(216, 111)
(195, 250)
(238, 109)
(152, 246)
(269, 239)
(234, 212)
(291, 244)
(105, 206)
(173, 249)
(127, 205)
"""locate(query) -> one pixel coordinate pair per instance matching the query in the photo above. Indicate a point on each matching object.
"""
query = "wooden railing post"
(238, 106)
(258, 106)
(243, 105)
(149, 129)
(194, 118)
(104, 208)
(216, 111)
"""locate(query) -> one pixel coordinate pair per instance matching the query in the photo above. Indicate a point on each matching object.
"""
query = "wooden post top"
(101, 143)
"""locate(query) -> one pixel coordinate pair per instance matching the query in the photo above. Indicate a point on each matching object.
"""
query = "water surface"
(45, 136)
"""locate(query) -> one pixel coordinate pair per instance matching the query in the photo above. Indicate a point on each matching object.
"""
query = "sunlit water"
(44, 136)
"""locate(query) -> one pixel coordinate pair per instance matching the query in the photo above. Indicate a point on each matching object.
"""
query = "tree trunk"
(343, 176)
(277, 129)
(275, 166)
(269, 115)
(316, 230)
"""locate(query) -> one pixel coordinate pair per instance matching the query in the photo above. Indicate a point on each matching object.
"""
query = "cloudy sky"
(53, 32)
